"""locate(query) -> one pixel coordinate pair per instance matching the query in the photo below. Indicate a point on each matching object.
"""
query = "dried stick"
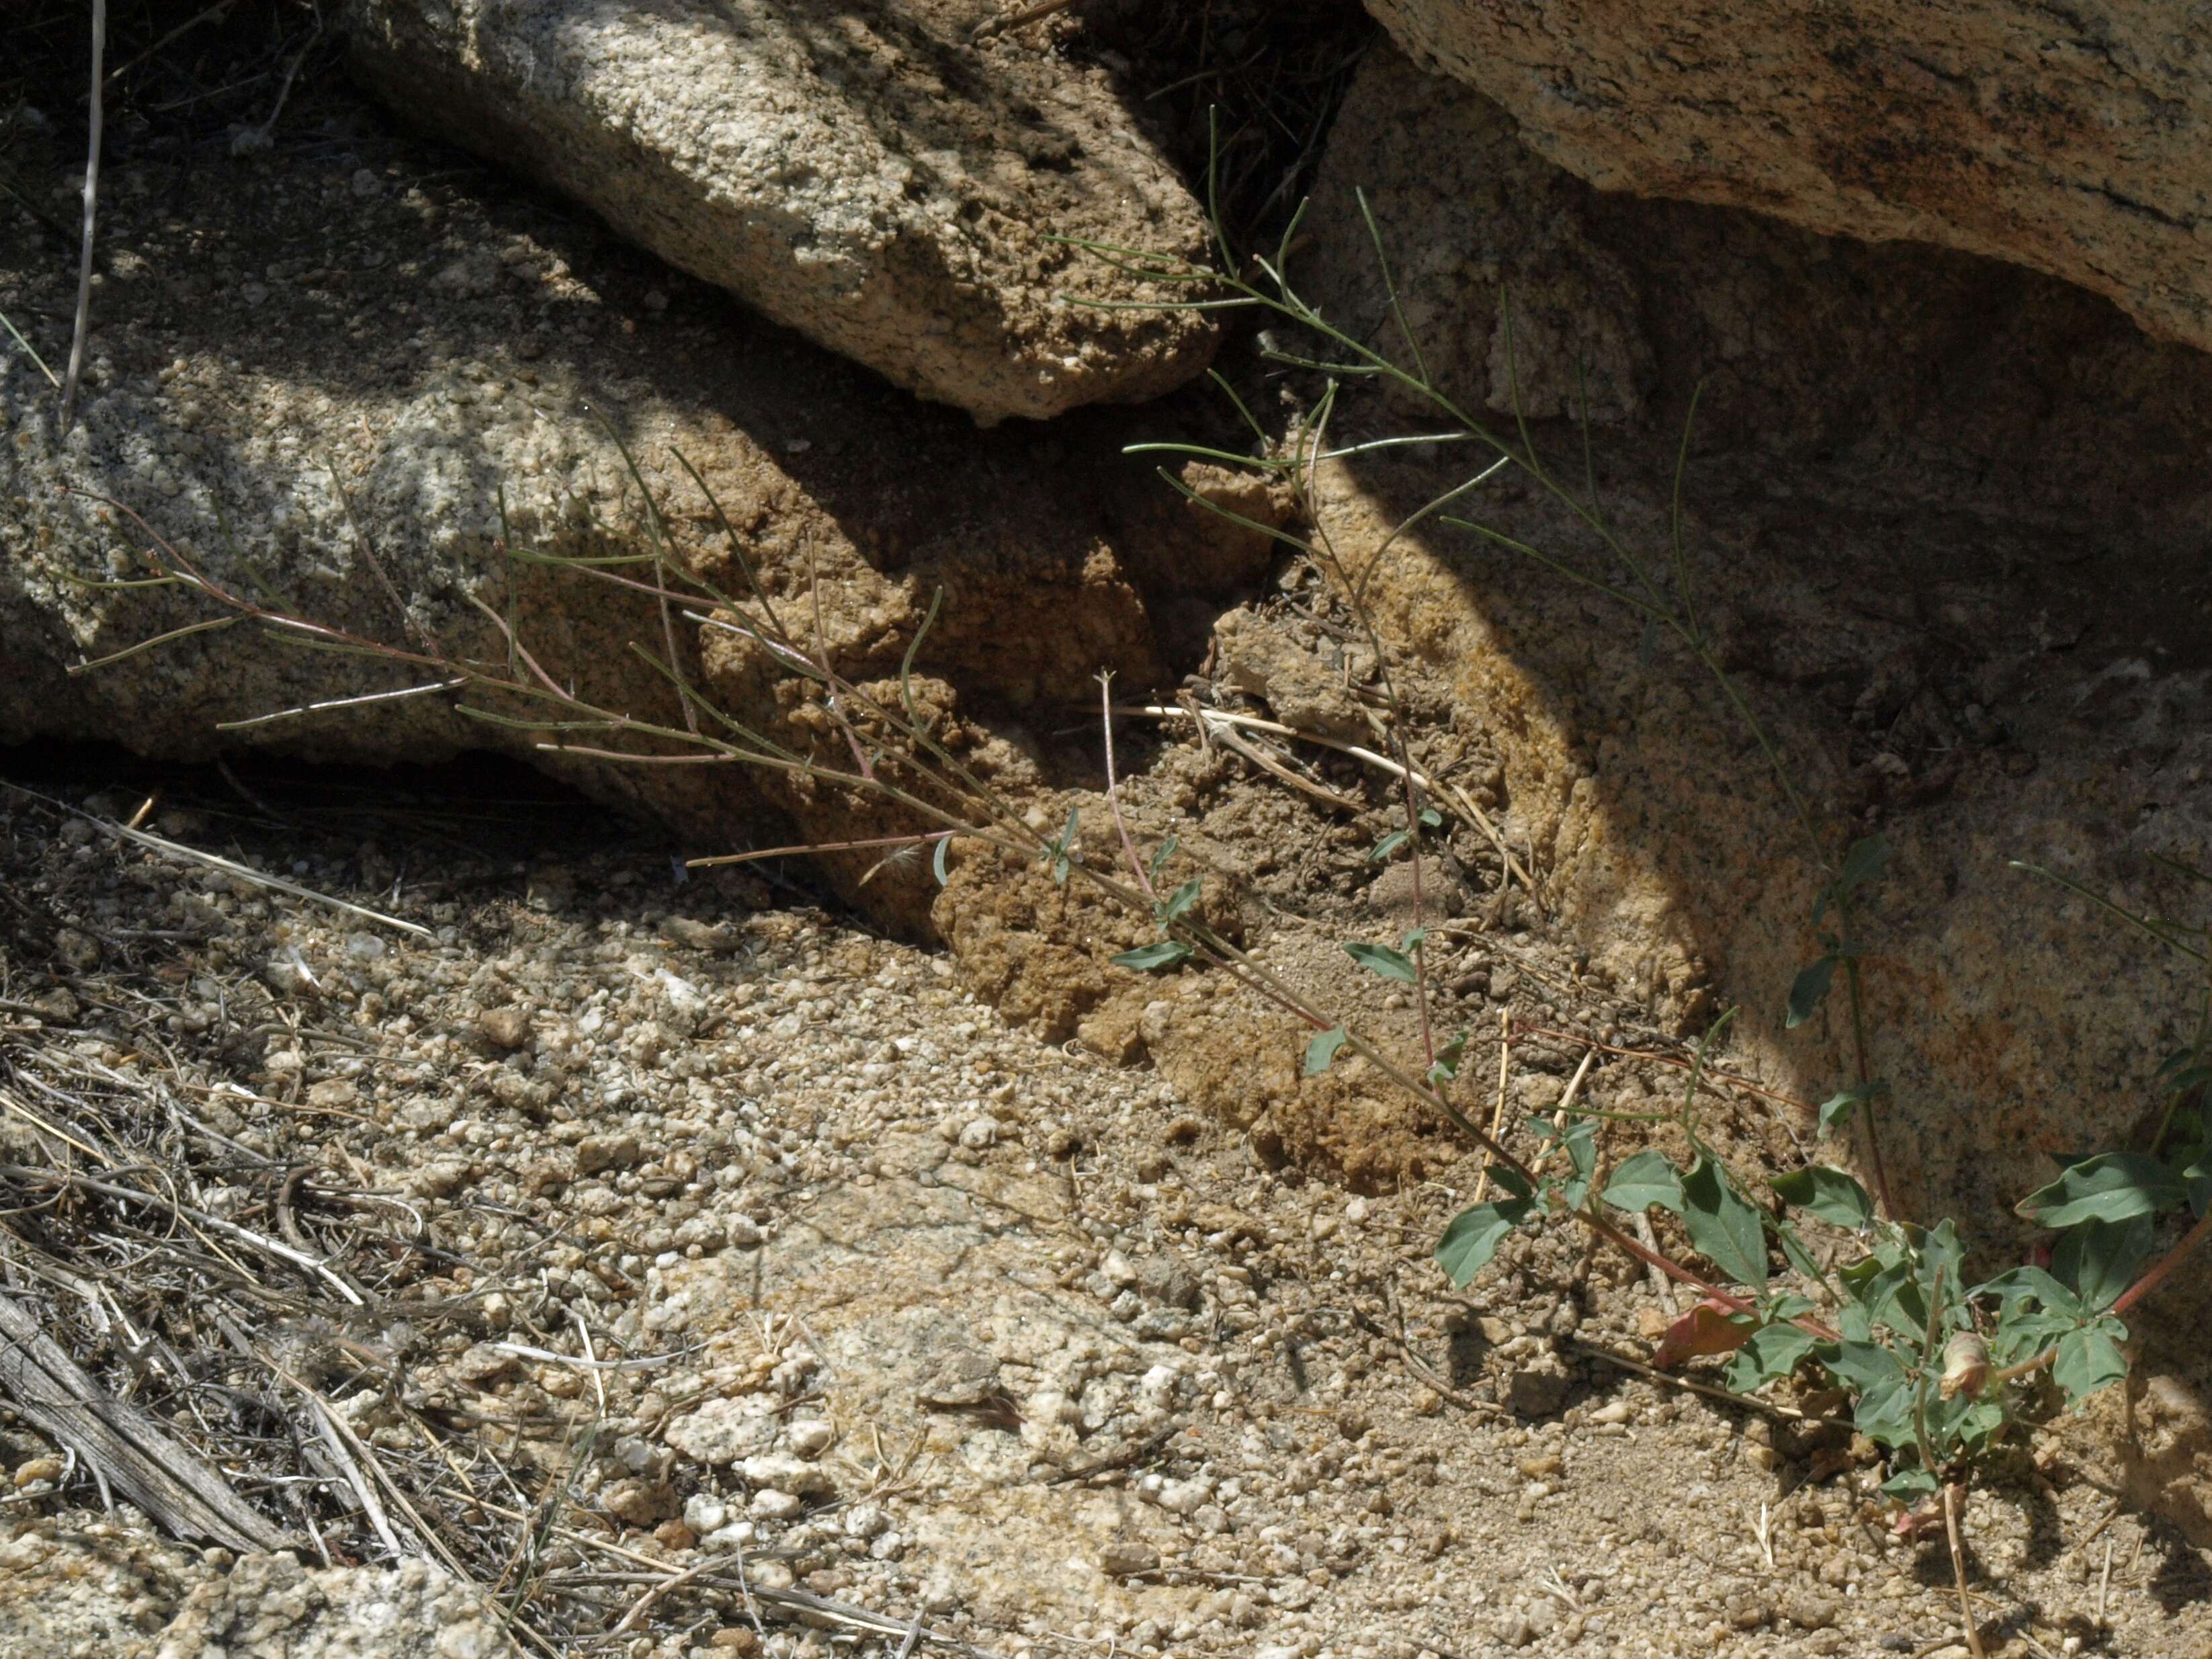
(1504, 1075)
(1959, 1568)
(91, 205)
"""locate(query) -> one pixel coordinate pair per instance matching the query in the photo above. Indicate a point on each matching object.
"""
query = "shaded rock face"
(871, 175)
(1945, 529)
(360, 390)
(2069, 140)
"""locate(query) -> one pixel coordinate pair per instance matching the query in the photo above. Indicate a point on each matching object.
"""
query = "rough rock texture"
(2159, 1432)
(104, 1590)
(1943, 529)
(110, 1588)
(2069, 139)
(1514, 304)
(869, 175)
(343, 389)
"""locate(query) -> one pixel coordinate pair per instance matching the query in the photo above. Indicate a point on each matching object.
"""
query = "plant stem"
(1853, 992)
(72, 377)
(2154, 1276)
(1959, 1569)
(2160, 1270)
(1001, 828)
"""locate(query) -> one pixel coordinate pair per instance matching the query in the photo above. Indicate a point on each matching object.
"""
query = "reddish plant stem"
(2154, 1276)
(2162, 1269)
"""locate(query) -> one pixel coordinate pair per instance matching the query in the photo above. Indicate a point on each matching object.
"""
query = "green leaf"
(2184, 1068)
(1864, 1366)
(1884, 1414)
(1445, 1066)
(1322, 1049)
(1860, 865)
(2197, 1178)
(1794, 1251)
(1837, 1109)
(1983, 1420)
(2016, 1342)
(1940, 1257)
(1390, 844)
(1160, 858)
(1474, 1237)
(1414, 939)
(2099, 1259)
(1063, 850)
(1807, 990)
(1151, 958)
(2090, 1359)
(2111, 1187)
(1512, 1180)
(1381, 959)
(1908, 1485)
(1889, 1293)
(1644, 1180)
(937, 859)
(2018, 1288)
(1772, 1354)
(1581, 1142)
(1183, 898)
(1828, 1193)
(1724, 1224)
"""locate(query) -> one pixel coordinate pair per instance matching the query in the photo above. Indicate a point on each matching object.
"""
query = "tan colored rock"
(1936, 513)
(1513, 302)
(873, 177)
(355, 443)
(2165, 1452)
(2071, 141)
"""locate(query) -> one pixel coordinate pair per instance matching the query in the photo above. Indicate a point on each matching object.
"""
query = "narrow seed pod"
(1965, 1366)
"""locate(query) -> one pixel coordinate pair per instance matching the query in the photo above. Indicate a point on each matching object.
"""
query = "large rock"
(368, 386)
(871, 175)
(1945, 522)
(2069, 139)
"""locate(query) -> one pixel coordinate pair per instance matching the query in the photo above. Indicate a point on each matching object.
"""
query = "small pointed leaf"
(1322, 1049)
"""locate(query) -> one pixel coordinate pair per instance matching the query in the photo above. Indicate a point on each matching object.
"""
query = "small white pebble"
(769, 1504)
(811, 1438)
(1184, 1497)
(867, 1520)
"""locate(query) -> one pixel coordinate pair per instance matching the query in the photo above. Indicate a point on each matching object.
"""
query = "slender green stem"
(1867, 1109)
